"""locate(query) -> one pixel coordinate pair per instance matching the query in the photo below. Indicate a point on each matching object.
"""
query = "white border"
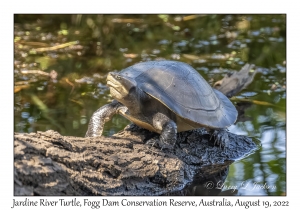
(8, 8)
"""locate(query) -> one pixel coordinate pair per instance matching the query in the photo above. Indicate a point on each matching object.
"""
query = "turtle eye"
(118, 77)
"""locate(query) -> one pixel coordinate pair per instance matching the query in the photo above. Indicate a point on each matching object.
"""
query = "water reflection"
(211, 185)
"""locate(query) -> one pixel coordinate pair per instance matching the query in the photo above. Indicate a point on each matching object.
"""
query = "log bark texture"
(47, 163)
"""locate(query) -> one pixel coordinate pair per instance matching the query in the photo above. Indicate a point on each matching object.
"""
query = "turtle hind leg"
(101, 116)
(220, 137)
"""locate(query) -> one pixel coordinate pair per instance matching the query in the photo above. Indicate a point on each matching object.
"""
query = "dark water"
(61, 62)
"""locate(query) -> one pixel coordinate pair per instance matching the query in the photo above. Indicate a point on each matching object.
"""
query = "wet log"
(47, 163)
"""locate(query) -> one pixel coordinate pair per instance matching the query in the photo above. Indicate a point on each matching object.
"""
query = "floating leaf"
(191, 17)
(20, 87)
(127, 20)
(191, 57)
(130, 55)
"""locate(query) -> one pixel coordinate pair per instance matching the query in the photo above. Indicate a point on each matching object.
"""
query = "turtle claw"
(221, 138)
(154, 142)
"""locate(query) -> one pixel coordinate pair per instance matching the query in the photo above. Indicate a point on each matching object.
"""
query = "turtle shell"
(184, 91)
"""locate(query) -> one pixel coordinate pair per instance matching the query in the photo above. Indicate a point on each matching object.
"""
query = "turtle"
(165, 97)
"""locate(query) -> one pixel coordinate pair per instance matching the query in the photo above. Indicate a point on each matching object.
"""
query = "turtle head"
(122, 88)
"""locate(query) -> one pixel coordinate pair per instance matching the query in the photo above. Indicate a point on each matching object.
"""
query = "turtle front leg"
(101, 116)
(168, 128)
(221, 137)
